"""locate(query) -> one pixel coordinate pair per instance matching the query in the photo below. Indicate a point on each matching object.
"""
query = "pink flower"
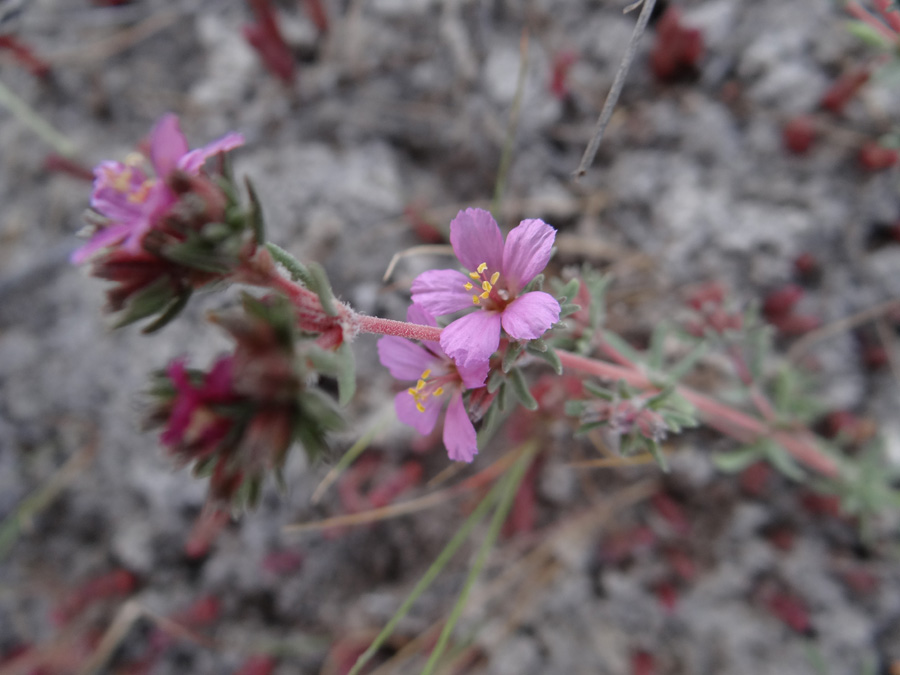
(192, 421)
(435, 376)
(134, 200)
(497, 274)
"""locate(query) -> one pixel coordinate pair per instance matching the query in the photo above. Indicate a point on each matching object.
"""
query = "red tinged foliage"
(678, 50)
(672, 512)
(315, 10)
(790, 609)
(423, 228)
(844, 89)
(257, 665)
(283, 562)
(54, 163)
(266, 38)
(562, 64)
(799, 134)
(642, 663)
(754, 480)
(619, 546)
(875, 157)
(781, 302)
(807, 268)
(117, 583)
(25, 56)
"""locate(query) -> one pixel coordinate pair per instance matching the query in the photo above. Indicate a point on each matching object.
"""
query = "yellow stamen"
(419, 406)
(140, 195)
(494, 277)
(474, 275)
(468, 287)
(482, 267)
(425, 374)
(486, 286)
(486, 295)
(476, 300)
(438, 391)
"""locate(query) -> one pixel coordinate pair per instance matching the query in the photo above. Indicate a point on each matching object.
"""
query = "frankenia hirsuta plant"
(498, 273)
(437, 379)
(134, 195)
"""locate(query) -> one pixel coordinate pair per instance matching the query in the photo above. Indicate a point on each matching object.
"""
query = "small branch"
(718, 415)
(410, 331)
(613, 97)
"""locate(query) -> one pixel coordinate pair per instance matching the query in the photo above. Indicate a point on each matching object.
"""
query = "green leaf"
(622, 347)
(867, 34)
(520, 388)
(687, 363)
(322, 287)
(551, 357)
(567, 309)
(568, 292)
(657, 341)
(294, 267)
(513, 350)
(257, 221)
(732, 462)
(494, 381)
(782, 461)
(536, 284)
(170, 313)
(660, 457)
(346, 375)
(150, 300)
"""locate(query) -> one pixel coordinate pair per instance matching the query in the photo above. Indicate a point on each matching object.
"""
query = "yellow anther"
(438, 391)
(474, 275)
(482, 267)
(419, 406)
(420, 385)
(476, 300)
(413, 392)
(425, 373)
(486, 286)
(494, 277)
(486, 295)
(468, 287)
(140, 195)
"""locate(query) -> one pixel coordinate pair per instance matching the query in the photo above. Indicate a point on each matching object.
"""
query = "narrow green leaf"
(660, 457)
(687, 363)
(657, 341)
(294, 267)
(431, 574)
(520, 388)
(152, 299)
(346, 375)
(732, 462)
(867, 34)
(512, 353)
(509, 487)
(622, 347)
(551, 357)
(170, 313)
(322, 287)
(495, 379)
(257, 221)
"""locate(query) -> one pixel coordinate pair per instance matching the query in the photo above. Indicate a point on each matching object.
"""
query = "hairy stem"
(718, 415)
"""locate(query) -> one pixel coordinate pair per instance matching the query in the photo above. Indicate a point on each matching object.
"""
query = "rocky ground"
(398, 116)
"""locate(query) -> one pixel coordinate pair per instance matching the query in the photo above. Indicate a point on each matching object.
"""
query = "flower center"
(425, 388)
(493, 295)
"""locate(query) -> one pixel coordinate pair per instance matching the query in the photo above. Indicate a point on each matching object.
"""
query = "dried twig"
(613, 97)
(803, 345)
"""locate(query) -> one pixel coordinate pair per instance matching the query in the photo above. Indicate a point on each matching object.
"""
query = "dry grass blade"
(428, 249)
(804, 344)
(428, 501)
(103, 50)
(39, 500)
(613, 97)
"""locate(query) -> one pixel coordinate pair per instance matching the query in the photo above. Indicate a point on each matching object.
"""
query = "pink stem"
(722, 417)
(863, 15)
(410, 331)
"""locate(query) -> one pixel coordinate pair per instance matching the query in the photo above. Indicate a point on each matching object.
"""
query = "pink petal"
(474, 375)
(527, 252)
(418, 314)
(530, 315)
(404, 359)
(460, 438)
(442, 291)
(194, 160)
(167, 145)
(108, 236)
(472, 339)
(476, 239)
(423, 422)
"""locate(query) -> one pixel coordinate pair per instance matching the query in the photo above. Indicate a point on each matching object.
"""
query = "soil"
(397, 119)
